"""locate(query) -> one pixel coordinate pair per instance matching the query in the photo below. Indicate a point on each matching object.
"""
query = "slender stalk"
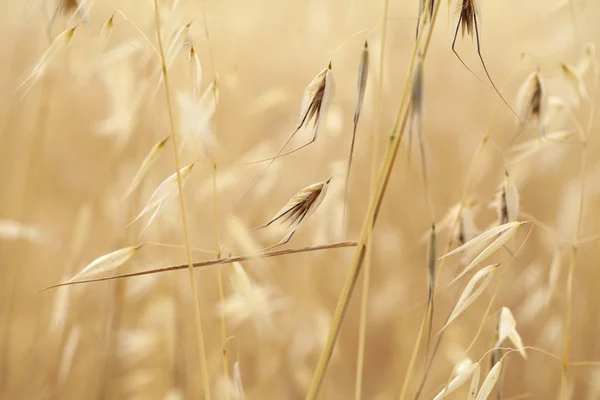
(199, 333)
(218, 243)
(371, 217)
(572, 263)
(362, 329)
(209, 263)
(33, 158)
(568, 312)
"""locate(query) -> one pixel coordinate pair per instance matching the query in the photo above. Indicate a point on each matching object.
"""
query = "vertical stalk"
(371, 217)
(572, 263)
(362, 329)
(199, 334)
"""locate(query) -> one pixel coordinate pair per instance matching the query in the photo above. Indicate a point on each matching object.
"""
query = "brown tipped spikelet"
(300, 207)
(363, 73)
(508, 201)
(469, 21)
(416, 114)
(530, 100)
(468, 10)
(315, 103)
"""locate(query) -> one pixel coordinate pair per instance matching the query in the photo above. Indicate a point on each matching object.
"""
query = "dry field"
(92, 132)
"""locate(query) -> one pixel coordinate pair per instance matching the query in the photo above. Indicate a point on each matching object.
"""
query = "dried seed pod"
(108, 261)
(162, 194)
(531, 100)
(470, 293)
(363, 72)
(315, 104)
(195, 71)
(56, 47)
(508, 201)
(148, 162)
(507, 328)
(300, 207)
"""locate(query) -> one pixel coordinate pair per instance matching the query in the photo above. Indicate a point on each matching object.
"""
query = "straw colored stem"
(362, 329)
(209, 263)
(371, 217)
(199, 333)
(572, 263)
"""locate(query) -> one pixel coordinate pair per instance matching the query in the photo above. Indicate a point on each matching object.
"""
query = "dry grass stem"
(180, 179)
(227, 260)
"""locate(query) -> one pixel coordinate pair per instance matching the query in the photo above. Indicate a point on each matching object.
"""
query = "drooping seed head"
(468, 11)
(317, 97)
(303, 204)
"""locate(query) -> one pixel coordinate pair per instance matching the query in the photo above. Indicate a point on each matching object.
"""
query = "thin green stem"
(199, 333)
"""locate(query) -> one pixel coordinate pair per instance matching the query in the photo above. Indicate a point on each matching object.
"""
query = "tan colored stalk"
(31, 178)
(572, 263)
(209, 263)
(199, 334)
(362, 328)
(568, 312)
(374, 207)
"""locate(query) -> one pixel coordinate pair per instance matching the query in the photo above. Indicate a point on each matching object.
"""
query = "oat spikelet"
(470, 293)
(474, 383)
(491, 248)
(315, 104)
(40, 68)
(458, 381)
(469, 19)
(300, 207)
(195, 71)
(416, 115)
(108, 261)
(148, 162)
(490, 381)
(68, 8)
(484, 237)
(508, 201)
(363, 73)
(106, 31)
(162, 194)
(575, 79)
(531, 100)
(507, 328)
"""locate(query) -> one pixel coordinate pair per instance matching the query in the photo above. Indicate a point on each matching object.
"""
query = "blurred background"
(73, 137)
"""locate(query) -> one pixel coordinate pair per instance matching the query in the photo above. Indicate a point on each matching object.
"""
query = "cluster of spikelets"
(252, 301)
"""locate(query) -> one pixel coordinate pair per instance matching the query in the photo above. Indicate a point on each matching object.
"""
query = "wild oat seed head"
(531, 99)
(508, 201)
